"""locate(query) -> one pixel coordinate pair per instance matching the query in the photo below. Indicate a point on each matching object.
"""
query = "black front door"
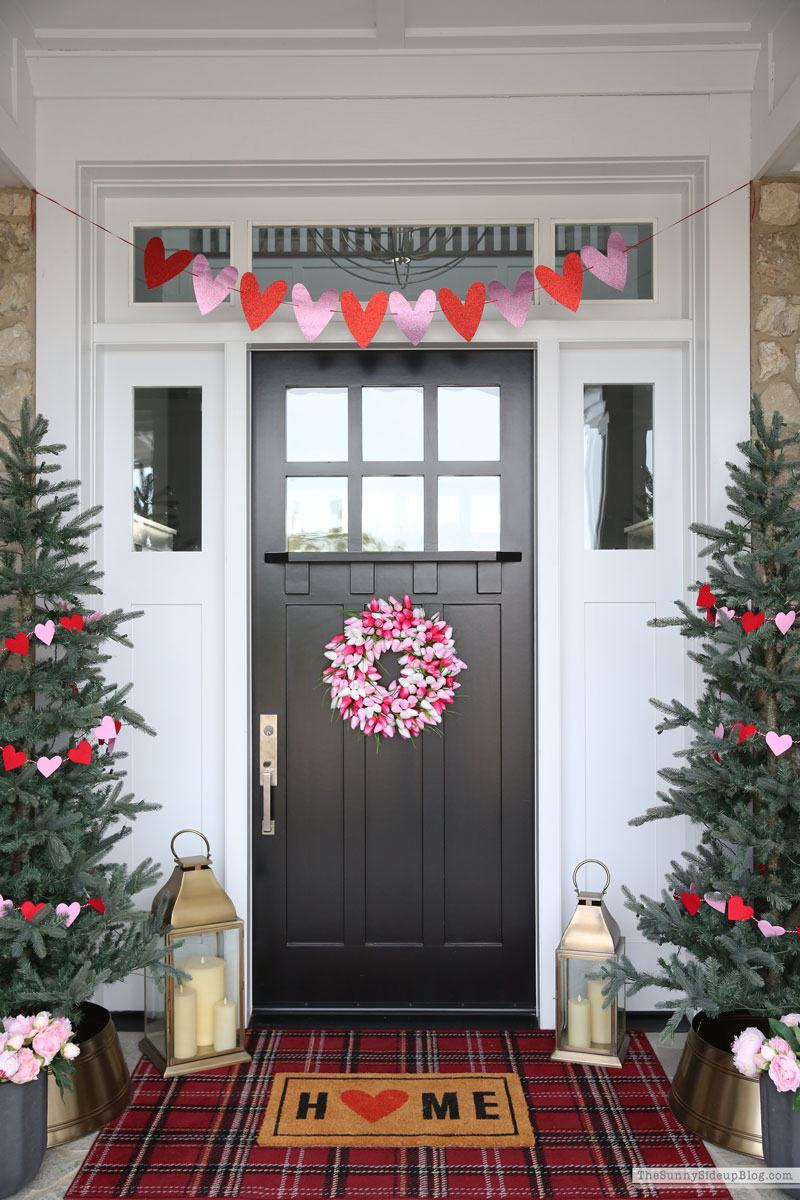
(400, 877)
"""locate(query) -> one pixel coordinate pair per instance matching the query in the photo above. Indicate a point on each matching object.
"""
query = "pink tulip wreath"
(427, 680)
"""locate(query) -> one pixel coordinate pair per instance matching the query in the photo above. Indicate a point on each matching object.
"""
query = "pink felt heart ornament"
(785, 621)
(313, 315)
(719, 731)
(210, 290)
(715, 901)
(46, 766)
(5, 905)
(778, 743)
(610, 268)
(69, 912)
(106, 729)
(413, 321)
(769, 930)
(513, 305)
(45, 632)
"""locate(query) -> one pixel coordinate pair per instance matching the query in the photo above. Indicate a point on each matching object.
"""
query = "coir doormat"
(198, 1136)
(444, 1109)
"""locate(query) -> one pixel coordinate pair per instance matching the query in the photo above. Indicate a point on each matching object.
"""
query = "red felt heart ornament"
(96, 904)
(565, 289)
(363, 323)
(705, 597)
(73, 622)
(13, 758)
(30, 910)
(465, 318)
(691, 902)
(745, 731)
(751, 621)
(158, 268)
(374, 1108)
(259, 306)
(82, 753)
(738, 910)
(19, 644)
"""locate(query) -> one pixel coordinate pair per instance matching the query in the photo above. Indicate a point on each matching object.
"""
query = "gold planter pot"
(102, 1083)
(708, 1095)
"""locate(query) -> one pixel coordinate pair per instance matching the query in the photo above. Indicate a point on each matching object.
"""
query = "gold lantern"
(198, 1023)
(586, 1032)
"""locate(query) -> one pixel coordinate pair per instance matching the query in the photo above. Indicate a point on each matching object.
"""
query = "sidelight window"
(618, 466)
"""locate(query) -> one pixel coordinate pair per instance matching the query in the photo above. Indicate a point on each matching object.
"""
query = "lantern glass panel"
(583, 1021)
(155, 1019)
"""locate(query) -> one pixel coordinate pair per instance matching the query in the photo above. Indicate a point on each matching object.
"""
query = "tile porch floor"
(61, 1164)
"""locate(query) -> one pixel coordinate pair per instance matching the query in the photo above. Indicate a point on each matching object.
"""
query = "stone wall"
(775, 297)
(17, 308)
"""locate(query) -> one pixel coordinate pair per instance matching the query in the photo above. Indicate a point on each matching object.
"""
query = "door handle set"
(268, 768)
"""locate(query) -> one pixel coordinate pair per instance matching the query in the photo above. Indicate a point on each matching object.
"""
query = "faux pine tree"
(67, 917)
(740, 787)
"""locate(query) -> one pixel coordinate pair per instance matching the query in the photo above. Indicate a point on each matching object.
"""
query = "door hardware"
(268, 768)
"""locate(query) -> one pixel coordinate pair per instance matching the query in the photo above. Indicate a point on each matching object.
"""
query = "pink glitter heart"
(69, 912)
(513, 305)
(770, 930)
(46, 766)
(313, 315)
(611, 268)
(210, 291)
(413, 321)
(45, 632)
(715, 901)
(778, 743)
(785, 621)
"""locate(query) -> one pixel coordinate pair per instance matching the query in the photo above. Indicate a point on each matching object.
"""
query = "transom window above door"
(387, 468)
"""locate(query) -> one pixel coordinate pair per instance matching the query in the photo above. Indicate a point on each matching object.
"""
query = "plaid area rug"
(196, 1136)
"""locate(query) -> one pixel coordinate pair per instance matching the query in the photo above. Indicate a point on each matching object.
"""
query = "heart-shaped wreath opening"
(427, 683)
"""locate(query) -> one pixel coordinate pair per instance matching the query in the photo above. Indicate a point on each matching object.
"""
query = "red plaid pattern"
(196, 1136)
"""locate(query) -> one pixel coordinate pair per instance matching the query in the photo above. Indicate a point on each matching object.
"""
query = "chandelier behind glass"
(397, 255)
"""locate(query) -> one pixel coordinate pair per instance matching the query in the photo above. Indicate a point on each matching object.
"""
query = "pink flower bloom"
(745, 1047)
(781, 1046)
(41, 1021)
(28, 1067)
(8, 1064)
(18, 1026)
(47, 1044)
(63, 1027)
(791, 1019)
(3, 1040)
(70, 1050)
(784, 1071)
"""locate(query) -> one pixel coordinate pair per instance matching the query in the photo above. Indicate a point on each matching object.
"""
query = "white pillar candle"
(226, 1024)
(600, 1017)
(184, 1023)
(578, 1025)
(208, 983)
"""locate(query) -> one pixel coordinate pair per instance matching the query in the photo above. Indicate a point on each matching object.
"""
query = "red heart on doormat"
(82, 753)
(691, 902)
(258, 306)
(374, 1108)
(751, 621)
(738, 910)
(363, 323)
(567, 289)
(30, 910)
(158, 268)
(465, 318)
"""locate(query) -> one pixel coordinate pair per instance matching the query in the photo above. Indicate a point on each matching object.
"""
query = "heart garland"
(106, 731)
(20, 643)
(750, 620)
(778, 743)
(737, 910)
(69, 912)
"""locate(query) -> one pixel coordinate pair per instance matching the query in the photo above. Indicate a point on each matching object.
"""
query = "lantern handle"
(599, 864)
(199, 834)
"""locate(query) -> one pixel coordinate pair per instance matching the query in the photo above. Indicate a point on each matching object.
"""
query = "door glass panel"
(639, 282)
(469, 423)
(167, 468)
(392, 515)
(214, 241)
(316, 512)
(469, 512)
(392, 424)
(316, 424)
(618, 466)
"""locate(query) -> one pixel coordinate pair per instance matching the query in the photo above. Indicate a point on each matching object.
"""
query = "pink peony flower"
(70, 1050)
(784, 1071)
(28, 1067)
(8, 1064)
(47, 1044)
(63, 1026)
(791, 1019)
(3, 1040)
(781, 1046)
(19, 1030)
(745, 1047)
(41, 1021)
